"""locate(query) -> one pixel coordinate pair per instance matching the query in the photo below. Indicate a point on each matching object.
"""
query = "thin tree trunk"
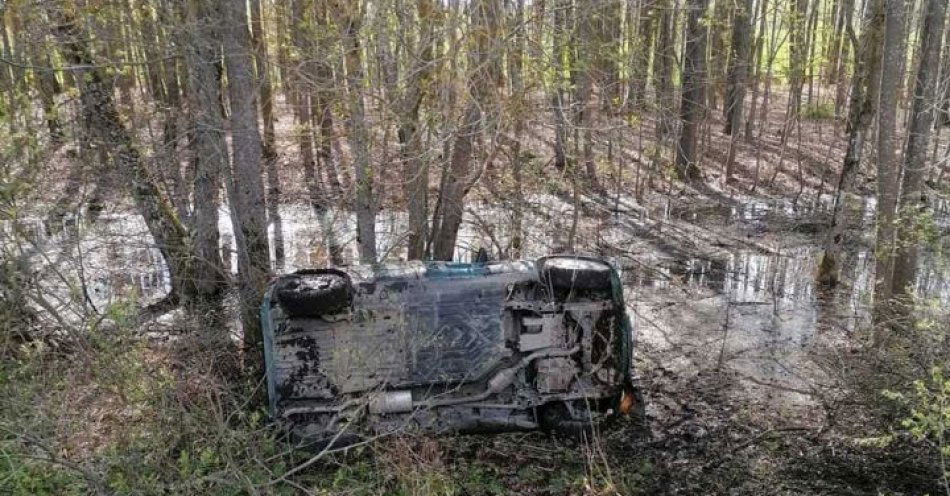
(717, 64)
(558, 93)
(737, 79)
(298, 82)
(594, 71)
(516, 69)
(757, 50)
(664, 60)
(641, 41)
(323, 97)
(841, 59)
(269, 147)
(410, 133)
(358, 135)
(798, 50)
(864, 94)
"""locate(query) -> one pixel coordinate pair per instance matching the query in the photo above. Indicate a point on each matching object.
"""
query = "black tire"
(577, 273)
(311, 295)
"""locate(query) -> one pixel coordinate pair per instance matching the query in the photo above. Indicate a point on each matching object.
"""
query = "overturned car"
(441, 347)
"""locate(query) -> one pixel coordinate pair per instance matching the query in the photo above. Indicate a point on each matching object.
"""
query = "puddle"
(759, 313)
(752, 310)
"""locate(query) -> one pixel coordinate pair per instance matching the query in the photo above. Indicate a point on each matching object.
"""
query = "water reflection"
(764, 292)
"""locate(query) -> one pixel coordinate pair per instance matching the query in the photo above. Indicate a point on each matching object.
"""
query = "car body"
(438, 346)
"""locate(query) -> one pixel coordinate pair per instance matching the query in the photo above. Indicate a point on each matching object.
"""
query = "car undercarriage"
(447, 347)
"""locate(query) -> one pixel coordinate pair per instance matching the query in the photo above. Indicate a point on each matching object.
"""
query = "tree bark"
(864, 94)
(913, 195)
(110, 136)
(888, 172)
(209, 145)
(691, 106)
(410, 135)
(641, 41)
(484, 79)
(663, 60)
(247, 201)
(358, 135)
(269, 147)
(738, 67)
(798, 50)
(558, 95)
(758, 50)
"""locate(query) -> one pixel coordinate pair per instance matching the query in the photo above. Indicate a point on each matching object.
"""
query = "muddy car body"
(446, 347)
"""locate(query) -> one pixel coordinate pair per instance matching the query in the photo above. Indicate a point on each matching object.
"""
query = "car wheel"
(577, 273)
(310, 295)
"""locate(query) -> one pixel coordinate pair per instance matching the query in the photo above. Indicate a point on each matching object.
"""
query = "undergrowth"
(115, 413)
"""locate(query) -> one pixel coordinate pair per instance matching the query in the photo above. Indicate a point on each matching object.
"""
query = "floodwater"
(759, 312)
(717, 285)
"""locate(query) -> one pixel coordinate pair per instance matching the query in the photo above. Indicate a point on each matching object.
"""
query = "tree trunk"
(913, 196)
(691, 105)
(664, 59)
(247, 201)
(757, 52)
(49, 89)
(737, 79)
(558, 95)
(484, 79)
(841, 59)
(640, 41)
(594, 71)
(738, 67)
(358, 135)
(864, 93)
(520, 98)
(719, 56)
(269, 148)
(410, 135)
(943, 117)
(110, 136)
(798, 50)
(888, 172)
(322, 99)
(300, 80)
(209, 145)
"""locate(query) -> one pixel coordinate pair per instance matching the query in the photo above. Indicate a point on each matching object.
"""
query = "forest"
(769, 177)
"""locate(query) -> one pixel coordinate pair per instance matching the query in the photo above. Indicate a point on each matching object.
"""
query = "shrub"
(819, 111)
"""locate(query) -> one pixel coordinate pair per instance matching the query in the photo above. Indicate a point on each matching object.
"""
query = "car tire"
(576, 273)
(311, 295)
